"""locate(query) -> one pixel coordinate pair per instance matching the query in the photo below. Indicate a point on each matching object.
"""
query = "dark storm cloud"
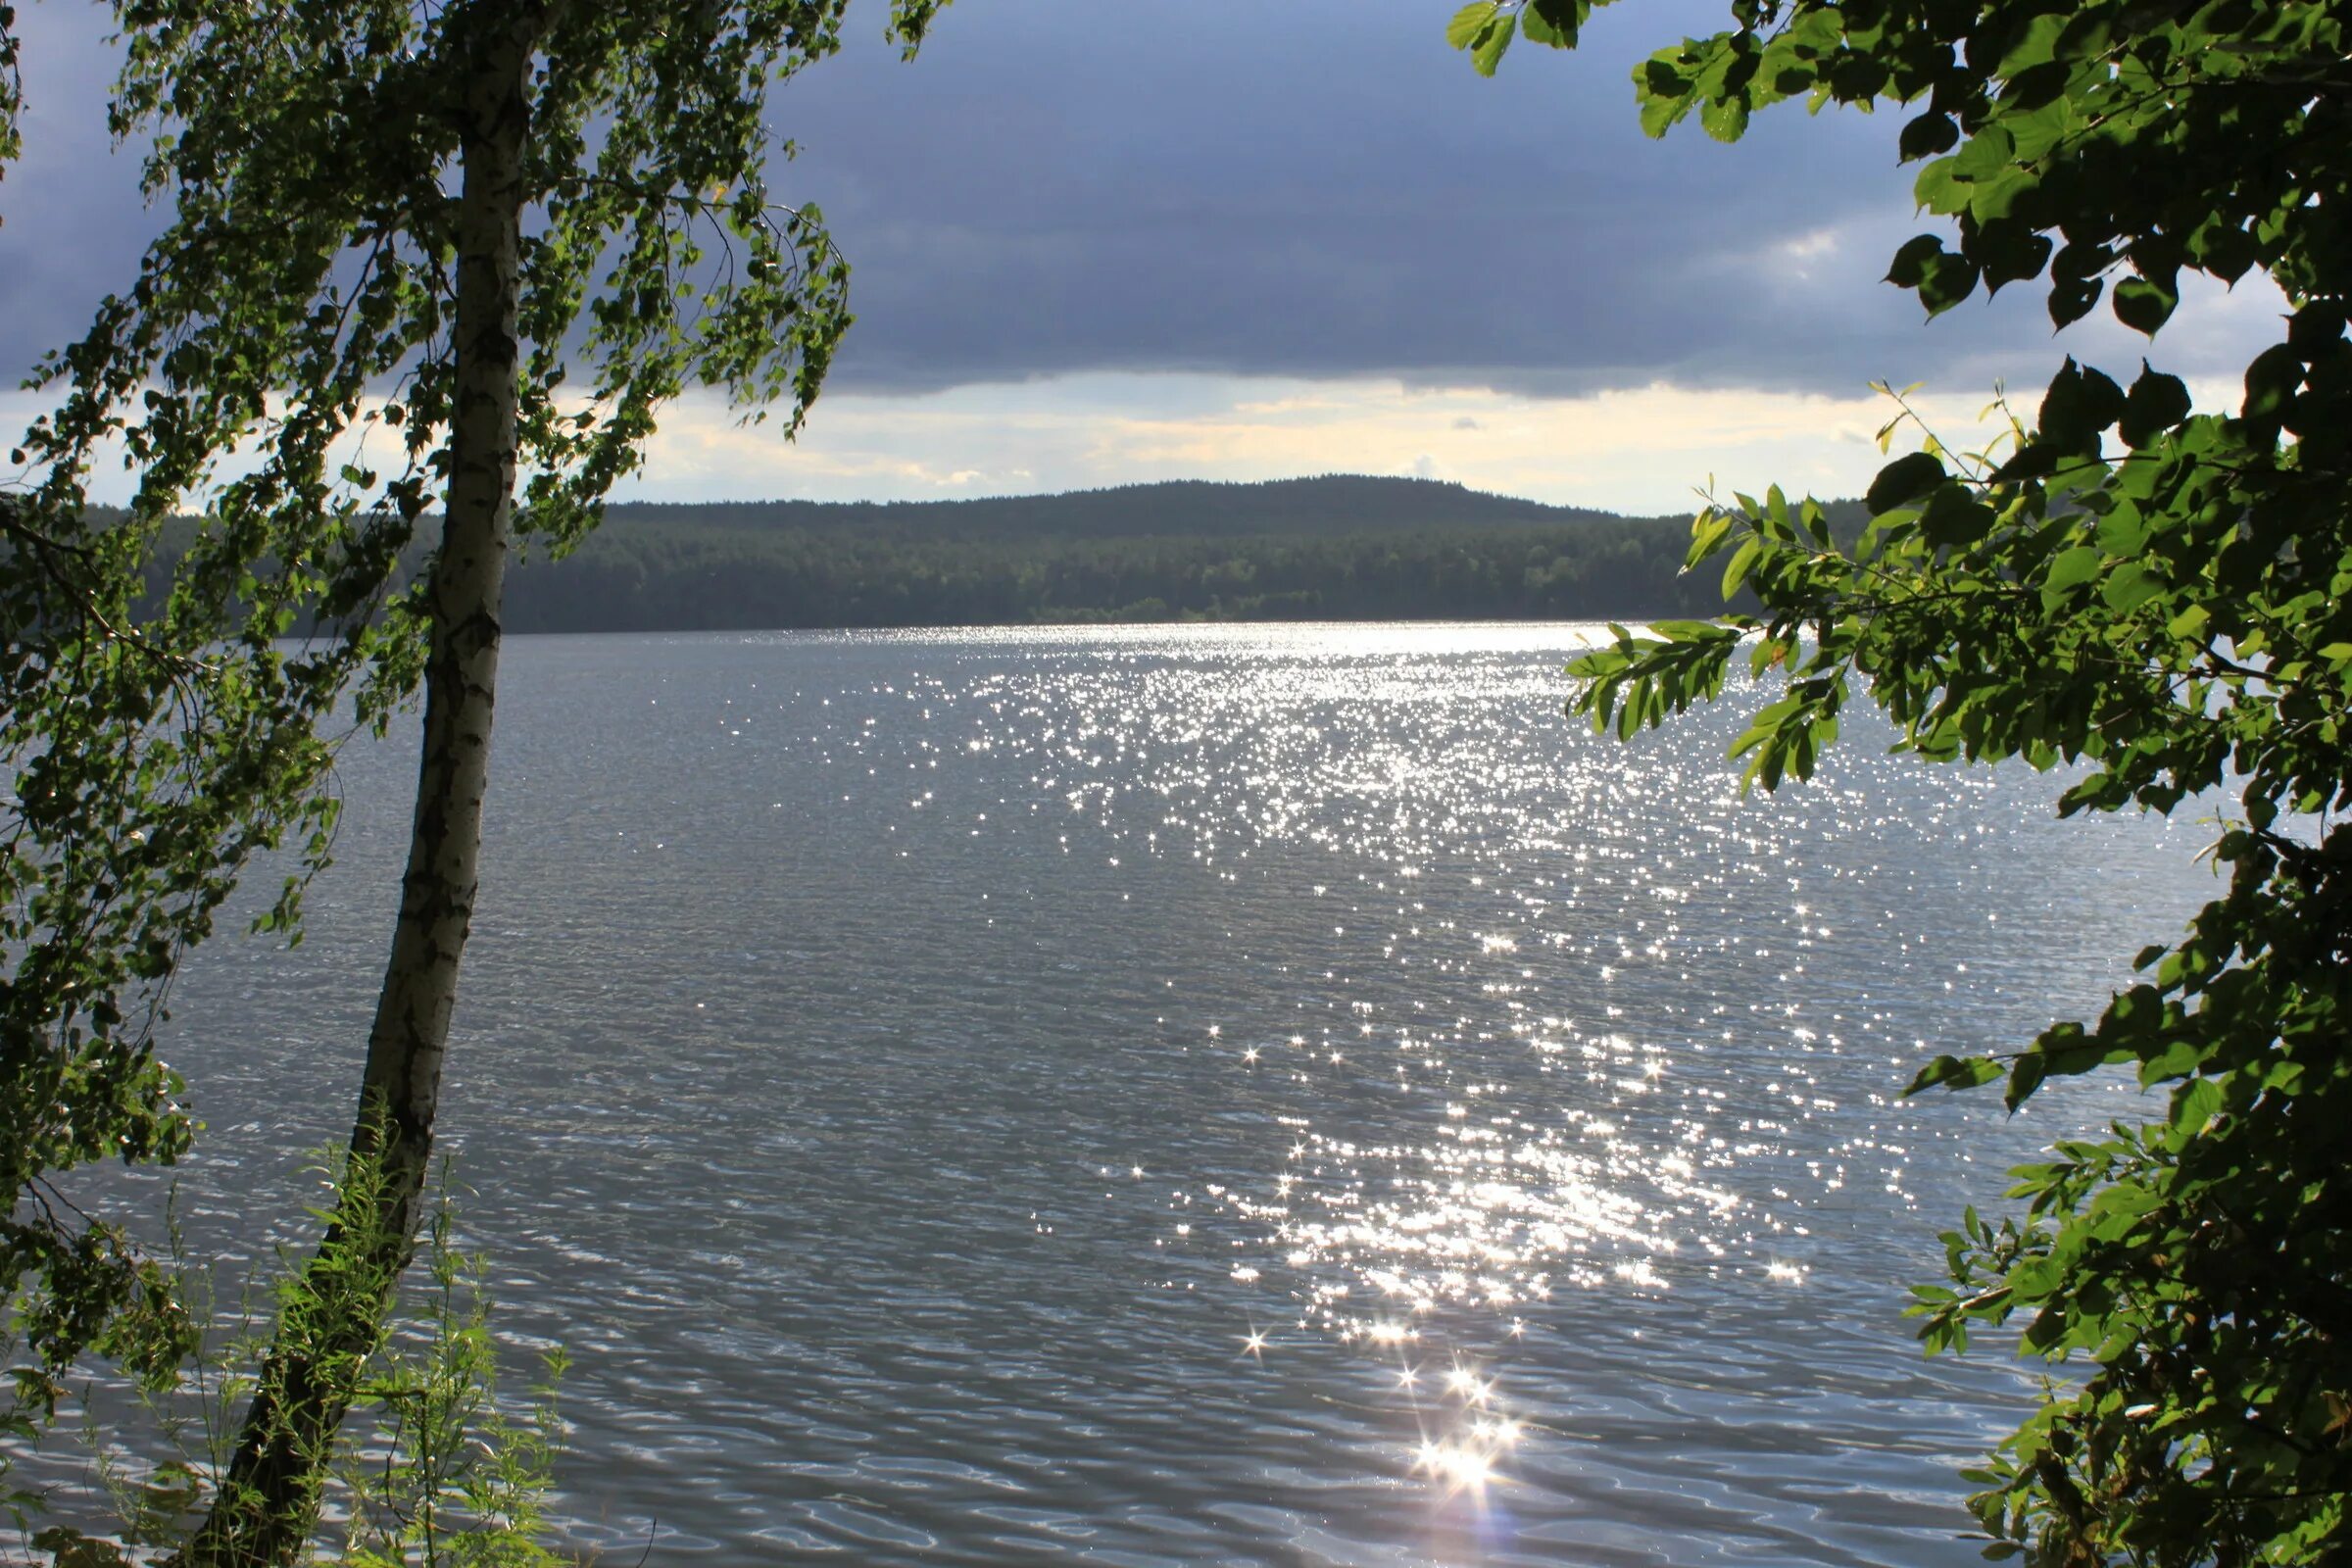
(71, 224)
(1324, 188)
(1313, 188)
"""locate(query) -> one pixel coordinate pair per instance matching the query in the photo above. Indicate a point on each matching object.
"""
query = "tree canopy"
(2155, 597)
(414, 255)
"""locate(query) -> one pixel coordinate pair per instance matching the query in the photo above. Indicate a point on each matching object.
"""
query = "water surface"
(1228, 1094)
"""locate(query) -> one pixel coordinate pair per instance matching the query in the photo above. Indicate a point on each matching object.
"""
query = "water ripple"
(1207, 1095)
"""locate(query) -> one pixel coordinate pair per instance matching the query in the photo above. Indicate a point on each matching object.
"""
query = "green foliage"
(12, 88)
(2162, 600)
(439, 1470)
(282, 368)
(1486, 28)
(448, 1475)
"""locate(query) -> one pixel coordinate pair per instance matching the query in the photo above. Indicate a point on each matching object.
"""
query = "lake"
(1205, 1095)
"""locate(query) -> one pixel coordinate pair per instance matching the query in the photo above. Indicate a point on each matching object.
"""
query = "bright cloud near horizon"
(1204, 239)
(1638, 450)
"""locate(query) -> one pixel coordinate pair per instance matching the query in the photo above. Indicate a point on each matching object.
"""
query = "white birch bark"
(268, 1502)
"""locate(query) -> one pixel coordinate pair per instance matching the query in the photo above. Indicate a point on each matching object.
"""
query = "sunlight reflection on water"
(1178, 1094)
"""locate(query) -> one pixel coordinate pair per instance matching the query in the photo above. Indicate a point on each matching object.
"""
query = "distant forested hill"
(1341, 547)
(1335, 503)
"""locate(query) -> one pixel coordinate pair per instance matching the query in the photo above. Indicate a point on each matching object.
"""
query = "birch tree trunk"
(268, 1502)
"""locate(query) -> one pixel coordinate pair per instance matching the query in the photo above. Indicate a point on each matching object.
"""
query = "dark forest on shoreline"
(1337, 548)
(1333, 547)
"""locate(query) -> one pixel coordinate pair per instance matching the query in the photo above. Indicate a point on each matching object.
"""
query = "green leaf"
(2024, 1076)
(1927, 135)
(1954, 1072)
(1486, 50)
(1725, 119)
(2156, 403)
(2130, 586)
(1690, 631)
(1990, 154)
(1953, 517)
(2008, 250)
(1709, 530)
(1734, 571)
(1664, 94)
(1553, 23)
(2122, 532)
(1912, 258)
(2081, 403)
(2144, 305)
(1469, 22)
(2072, 299)
(2271, 382)
(2177, 1060)
(1945, 281)
(2070, 566)
(2195, 1104)
(1903, 480)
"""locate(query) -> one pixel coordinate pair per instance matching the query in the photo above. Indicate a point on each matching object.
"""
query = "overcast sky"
(1101, 241)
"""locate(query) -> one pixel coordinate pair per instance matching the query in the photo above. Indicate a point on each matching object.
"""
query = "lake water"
(1184, 1096)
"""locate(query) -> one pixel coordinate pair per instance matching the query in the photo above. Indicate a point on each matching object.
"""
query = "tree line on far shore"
(1330, 549)
(1335, 548)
